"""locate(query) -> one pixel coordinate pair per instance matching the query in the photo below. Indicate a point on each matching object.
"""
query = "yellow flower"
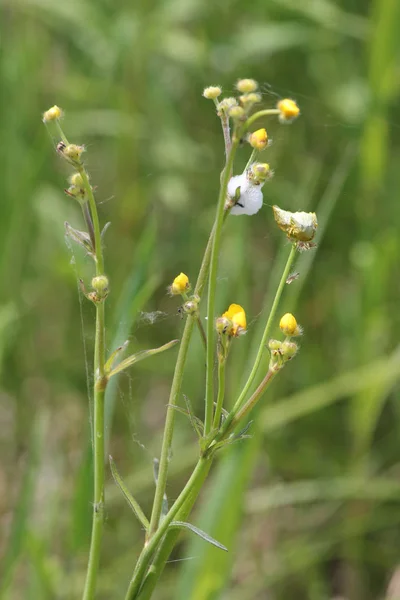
(289, 326)
(245, 86)
(52, 114)
(288, 110)
(259, 139)
(212, 92)
(179, 285)
(237, 316)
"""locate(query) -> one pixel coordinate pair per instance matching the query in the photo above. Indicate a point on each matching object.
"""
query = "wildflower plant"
(223, 422)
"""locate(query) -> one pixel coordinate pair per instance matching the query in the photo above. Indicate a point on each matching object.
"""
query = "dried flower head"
(53, 114)
(258, 139)
(180, 285)
(298, 226)
(212, 92)
(245, 86)
(288, 110)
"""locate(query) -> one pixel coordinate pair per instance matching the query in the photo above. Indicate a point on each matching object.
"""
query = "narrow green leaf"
(110, 362)
(199, 532)
(128, 496)
(134, 358)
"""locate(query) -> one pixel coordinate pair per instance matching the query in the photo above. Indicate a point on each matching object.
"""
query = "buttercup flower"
(179, 285)
(237, 317)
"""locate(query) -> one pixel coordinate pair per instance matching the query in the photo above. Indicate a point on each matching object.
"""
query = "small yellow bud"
(72, 153)
(76, 179)
(212, 92)
(237, 316)
(247, 100)
(259, 172)
(226, 105)
(259, 139)
(288, 325)
(274, 345)
(53, 114)
(179, 285)
(288, 110)
(245, 86)
(237, 113)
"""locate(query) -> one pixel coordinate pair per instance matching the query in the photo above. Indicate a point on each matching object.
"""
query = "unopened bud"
(72, 153)
(288, 350)
(53, 114)
(77, 180)
(248, 100)
(100, 286)
(223, 325)
(180, 285)
(245, 86)
(226, 104)
(288, 110)
(258, 139)
(237, 113)
(288, 324)
(259, 173)
(212, 92)
(191, 307)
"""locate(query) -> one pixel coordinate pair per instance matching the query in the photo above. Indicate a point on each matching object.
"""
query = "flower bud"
(212, 92)
(259, 173)
(226, 104)
(288, 350)
(288, 324)
(247, 100)
(100, 286)
(76, 179)
(180, 285)
(245, 86)
(191, 307)
(223, 325)
(237, 113)
(288, 110)
(275, 346)
(298, 226)
(72, 153)
(258, 139)
(53, 114)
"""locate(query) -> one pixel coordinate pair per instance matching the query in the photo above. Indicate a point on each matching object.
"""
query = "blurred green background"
(310, 505)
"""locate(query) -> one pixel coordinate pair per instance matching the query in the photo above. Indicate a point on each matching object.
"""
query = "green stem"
(252, 158)
(221, 393)
(264, 338)
(169, 426)
(252, 401)
(175, 390)
(92, 220)
(219, 220)
(261, 113)
(188, 494)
